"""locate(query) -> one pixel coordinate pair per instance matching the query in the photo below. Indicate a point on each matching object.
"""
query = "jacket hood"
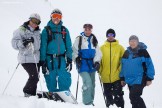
(116, 42)
(140, 46)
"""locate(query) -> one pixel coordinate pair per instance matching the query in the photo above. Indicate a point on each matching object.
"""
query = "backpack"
(49, 33)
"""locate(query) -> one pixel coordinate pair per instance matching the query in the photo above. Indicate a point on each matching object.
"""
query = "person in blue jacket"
(56, 54)
(87, 56)
(137, 71)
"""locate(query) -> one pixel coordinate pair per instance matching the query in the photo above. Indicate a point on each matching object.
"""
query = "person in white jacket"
(26, 39)
(87, 56)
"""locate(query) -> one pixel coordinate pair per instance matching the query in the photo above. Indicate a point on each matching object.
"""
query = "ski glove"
(69, 64)
(78, 62)
(97, 66)
(44, 67)
(27, 41)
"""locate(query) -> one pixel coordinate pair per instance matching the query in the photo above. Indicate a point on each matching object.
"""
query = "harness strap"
(56, 56)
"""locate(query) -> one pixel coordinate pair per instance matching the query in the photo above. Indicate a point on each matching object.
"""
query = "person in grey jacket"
(26, 39)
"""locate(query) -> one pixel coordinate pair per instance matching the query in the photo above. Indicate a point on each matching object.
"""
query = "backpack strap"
(63, 32)
(49, 33)
(50, 37)
(94, 41)
(80, 43)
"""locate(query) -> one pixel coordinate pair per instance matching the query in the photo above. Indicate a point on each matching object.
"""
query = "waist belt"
(56, 56)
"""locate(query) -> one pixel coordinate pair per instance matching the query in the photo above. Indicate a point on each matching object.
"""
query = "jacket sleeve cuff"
(149, 79)
(122, 78)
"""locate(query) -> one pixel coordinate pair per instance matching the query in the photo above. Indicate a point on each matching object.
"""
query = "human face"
(110, 37)
(56, 18)
(133, 43)
(88, 31)
(33, 25)
(35, 21)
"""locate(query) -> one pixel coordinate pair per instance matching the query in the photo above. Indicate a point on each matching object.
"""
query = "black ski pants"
(31, 84)
(114, 94)
(135, 92)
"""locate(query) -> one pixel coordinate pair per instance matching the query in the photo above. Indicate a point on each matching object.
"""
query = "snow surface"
(127, 17)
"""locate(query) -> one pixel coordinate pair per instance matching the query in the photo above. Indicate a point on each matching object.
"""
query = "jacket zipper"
(110, 62)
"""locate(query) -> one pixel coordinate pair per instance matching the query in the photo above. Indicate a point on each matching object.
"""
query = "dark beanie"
(110, 31)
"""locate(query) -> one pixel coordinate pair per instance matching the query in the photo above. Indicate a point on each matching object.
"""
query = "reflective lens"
(55, 15)
(111, 34)
(35, 21)
(88, 26)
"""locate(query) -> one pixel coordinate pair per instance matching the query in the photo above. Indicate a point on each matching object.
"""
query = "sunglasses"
(55, 15)
(111, 34)
(35, 21)
(88, 26)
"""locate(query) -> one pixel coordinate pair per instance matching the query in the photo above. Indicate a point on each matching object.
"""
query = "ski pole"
(102, 90)
(10, 78)
(77, 87)
(36, 65)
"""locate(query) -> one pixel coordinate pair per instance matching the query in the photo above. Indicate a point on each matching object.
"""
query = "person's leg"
(31, 85)
(118, 94)
(87, 85)
(53, 84)
(135, 96)
(108, 94)
(92, 75)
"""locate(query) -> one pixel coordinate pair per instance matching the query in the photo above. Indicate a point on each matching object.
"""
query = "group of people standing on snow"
(53, 51)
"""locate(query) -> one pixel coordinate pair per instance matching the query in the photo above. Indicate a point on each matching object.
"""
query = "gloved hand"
(96, 66)
(44, 67)
(69, 64)
(78, 61)
(27, 41)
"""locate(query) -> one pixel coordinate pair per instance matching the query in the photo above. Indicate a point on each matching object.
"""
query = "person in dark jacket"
(26, 39)
(137, 71)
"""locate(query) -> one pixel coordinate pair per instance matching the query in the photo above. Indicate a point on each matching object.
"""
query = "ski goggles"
(35, 21)
(110, 34)
(88, 26)
(55, 15)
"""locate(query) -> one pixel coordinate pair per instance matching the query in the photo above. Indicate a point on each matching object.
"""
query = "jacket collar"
(112, 43)
(25, 25)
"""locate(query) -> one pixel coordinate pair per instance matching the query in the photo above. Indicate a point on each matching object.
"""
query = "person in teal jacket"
(56, 54)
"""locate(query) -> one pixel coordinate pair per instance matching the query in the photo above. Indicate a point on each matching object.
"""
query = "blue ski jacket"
(133, 70)
(89, 53)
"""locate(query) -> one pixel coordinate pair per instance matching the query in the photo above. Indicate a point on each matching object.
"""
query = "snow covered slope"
(139, 17)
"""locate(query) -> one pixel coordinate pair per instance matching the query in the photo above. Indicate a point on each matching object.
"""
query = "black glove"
(96, 66)
(44, 67)
(69, 64)
(78, 62)
(27, 41)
